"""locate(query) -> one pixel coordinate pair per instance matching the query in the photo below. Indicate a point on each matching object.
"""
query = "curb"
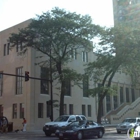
(110, 129)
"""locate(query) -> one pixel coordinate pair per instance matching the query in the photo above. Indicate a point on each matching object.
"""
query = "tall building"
(127, 11)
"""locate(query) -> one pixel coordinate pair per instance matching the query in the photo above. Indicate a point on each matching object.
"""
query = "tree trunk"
(62, 82)
(61, 110)
(100, 107)
(101, 97)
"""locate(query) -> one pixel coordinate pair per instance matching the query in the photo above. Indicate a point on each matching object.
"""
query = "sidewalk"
(110, 127)
(28, 131)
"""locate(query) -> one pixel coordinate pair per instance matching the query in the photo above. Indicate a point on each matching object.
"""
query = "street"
(40, 136)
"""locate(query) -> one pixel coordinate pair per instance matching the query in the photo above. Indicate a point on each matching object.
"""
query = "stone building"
(20, 98)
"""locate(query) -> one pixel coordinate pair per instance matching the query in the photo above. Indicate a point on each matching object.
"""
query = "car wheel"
(79, 135)
(118, 132)
(100, 134)
(48, 134)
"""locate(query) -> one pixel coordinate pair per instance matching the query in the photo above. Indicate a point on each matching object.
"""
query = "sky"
(13, 12)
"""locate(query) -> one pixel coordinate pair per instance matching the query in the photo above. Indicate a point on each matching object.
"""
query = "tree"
(117, 48)
(62, 33)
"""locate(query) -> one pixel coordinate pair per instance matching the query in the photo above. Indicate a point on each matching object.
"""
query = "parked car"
(79, 130)
(127, 124)
(63, 120)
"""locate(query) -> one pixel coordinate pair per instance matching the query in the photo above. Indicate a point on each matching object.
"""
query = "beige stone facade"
(19, 98)
(14, 103)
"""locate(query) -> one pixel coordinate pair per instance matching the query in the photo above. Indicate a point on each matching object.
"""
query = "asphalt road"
(40, 136)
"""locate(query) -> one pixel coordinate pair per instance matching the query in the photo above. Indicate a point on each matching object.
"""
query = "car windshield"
(62, 119)
(76, 124)
(130, 120)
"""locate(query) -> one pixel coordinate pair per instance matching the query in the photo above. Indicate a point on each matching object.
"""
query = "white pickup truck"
(63, 120)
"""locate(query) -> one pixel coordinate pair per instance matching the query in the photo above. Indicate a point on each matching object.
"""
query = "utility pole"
(51, 86)
(35, 78)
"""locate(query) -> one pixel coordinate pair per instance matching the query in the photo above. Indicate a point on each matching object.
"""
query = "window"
(121, 95)
(78, 118)
(1, 84)
(138, 120)
(72, 118)
(67, 86)
(127, 95)
(65, 109)
(40, 110)
(89, 110)
(73, 54)
(133, 94)
(83, 117)
(19, 47)
(71, 109)
(19, 83)
(14, 111)
(44, 84)
(84, 56)
(108, 103)
(8, 46)
(21, 110)
(83, 110)
(1, 110)
(4, 50)
(85, 86)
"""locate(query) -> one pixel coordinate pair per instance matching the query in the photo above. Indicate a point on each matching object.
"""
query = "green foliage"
(117, 49)
(56, 33)
(71, 74)
(59, 30)
(123, 49)
(112, 90)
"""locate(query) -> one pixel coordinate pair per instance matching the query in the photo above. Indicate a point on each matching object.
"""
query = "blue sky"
(13, 12)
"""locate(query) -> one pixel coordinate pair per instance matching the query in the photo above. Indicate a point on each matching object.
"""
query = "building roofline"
(15, 25)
